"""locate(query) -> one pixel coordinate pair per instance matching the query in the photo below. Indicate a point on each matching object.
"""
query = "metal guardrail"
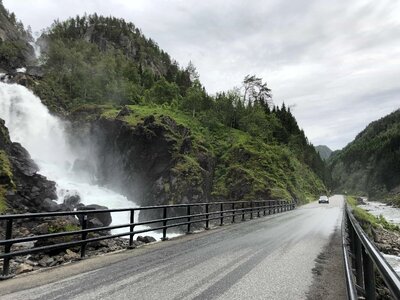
(362, 260)
(212, 211)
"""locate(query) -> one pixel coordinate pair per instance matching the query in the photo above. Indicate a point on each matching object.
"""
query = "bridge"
(277, 253)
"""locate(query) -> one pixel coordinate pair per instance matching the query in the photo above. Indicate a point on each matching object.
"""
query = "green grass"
(367, 220)
(262, 170)
(7, 179)
(3, 204)
(63, 228)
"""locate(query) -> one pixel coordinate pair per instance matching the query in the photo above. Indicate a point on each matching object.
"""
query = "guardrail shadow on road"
(362, 260)
(194, 213)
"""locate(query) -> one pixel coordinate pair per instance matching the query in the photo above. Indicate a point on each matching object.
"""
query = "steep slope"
(15, 50)
(102, 60)
(323, 151)
(21, 188)
(162, 156)
(371, 163)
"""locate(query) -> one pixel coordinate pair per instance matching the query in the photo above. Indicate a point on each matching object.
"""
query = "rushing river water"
(43, 135)
(392, 215)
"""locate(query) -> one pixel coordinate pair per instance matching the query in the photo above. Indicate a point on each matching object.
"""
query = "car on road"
(323, 199)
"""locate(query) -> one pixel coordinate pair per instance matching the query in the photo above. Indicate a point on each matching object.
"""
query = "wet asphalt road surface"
(266, 258)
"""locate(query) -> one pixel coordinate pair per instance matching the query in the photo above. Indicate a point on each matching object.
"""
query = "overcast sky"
(336, 63)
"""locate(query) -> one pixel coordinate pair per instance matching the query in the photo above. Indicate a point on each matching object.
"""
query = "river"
(392, 215)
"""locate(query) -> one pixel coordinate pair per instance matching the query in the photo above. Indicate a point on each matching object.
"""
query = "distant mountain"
(371, 163)
(323, 151)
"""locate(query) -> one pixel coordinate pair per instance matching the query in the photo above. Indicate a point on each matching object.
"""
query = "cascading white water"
(43, 135)
(36, 49)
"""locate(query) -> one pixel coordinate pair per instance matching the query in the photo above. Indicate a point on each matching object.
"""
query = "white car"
(323, 199)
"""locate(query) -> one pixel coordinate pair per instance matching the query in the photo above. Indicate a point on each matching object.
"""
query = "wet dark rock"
(96, 219)
(146, 239)
(50, 205)
(71, 202)
(360, 201)
(29, 190)
(35, 71)
(148, 120)
(125, 111)
(186, 146)
(22, 160)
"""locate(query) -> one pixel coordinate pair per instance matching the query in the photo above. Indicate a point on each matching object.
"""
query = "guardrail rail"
(362, 260)
(206, 212)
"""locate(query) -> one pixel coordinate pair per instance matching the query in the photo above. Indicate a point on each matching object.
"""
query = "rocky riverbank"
(33, 262)
(388, 242)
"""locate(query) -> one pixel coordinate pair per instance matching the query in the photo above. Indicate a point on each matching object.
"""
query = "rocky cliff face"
(22, 189)
(152, 163)
(15, 50)
(156, 156)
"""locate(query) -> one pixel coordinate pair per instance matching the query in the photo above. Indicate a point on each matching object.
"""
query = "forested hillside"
(234, 145)
(15, 50)
(371, 163)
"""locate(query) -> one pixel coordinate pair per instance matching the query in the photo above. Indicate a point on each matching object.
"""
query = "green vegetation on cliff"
(367, 220)
(6, 179)
(15, 50)
(245, 166)
(96, 65)
(371, 163)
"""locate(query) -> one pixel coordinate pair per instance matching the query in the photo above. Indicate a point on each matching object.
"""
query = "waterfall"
(36, 49)
(44, 136)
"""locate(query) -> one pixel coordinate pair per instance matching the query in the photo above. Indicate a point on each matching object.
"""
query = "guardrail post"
(84, 235)
(164, 237)
(221, 214)
(7, 249)
(243, 212)
(358, 258)
(233, 213)
(258, 209)
(207, 219)
(131, 228)
(265, 213)
(369, 276)
(188, 219)
(251, 210)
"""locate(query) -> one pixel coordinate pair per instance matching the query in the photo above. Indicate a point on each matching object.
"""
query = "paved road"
(267, 258)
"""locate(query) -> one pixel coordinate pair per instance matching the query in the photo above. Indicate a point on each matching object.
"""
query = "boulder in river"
(71, 201)
(96, 219)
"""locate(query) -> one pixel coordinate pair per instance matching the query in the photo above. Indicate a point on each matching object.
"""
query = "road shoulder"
(329, 277)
